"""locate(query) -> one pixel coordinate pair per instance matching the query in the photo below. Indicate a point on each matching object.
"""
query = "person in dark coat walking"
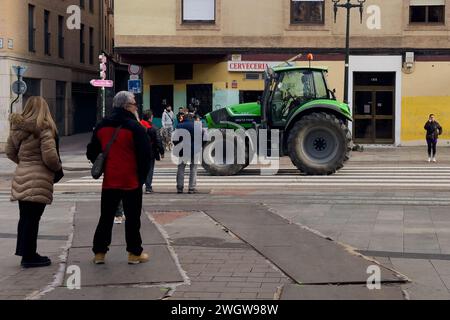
(189, 134)
(157, 147)
(126, 169)
(434, 130)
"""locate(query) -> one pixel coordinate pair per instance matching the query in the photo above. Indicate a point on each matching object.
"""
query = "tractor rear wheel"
(319, 144)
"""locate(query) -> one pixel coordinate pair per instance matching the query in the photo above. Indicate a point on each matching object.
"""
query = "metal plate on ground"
(301, 254)
(348, 292)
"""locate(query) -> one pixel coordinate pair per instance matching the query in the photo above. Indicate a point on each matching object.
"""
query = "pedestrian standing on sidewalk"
(32, 145)
(193, 143)
(156, 145)
(126, 168)
(434, 130)
(167, 127)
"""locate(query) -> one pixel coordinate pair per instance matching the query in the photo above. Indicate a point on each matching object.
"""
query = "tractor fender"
(321, 107)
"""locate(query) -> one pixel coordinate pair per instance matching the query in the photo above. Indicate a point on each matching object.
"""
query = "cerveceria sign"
(251, 66)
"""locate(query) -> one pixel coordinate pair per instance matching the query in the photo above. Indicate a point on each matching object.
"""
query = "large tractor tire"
(319, 144)
(222, 169)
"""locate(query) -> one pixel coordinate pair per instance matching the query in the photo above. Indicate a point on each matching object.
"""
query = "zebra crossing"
(417, 177)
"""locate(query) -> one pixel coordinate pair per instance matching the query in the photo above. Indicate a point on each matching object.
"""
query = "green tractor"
(312, 124)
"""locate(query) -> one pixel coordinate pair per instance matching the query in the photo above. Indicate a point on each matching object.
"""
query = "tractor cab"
(288, 88)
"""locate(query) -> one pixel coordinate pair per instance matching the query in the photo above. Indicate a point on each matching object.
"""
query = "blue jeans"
(192, 175)
(149, 180)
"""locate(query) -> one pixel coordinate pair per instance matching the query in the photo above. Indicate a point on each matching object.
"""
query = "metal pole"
(18, 96)
(103, 102)
(347, 53)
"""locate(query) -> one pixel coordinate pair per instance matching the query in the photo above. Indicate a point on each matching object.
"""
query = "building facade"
(60, 54)
(212, 53)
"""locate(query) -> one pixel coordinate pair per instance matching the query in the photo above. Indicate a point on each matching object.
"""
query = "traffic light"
(103, 60)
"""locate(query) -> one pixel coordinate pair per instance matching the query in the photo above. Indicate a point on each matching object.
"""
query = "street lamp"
(347, 5)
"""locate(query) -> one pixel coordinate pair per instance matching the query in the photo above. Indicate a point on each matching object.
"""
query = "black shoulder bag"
(99, 165)
(60, 173)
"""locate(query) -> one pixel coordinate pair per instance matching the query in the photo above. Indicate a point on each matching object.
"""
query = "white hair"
(122, 99)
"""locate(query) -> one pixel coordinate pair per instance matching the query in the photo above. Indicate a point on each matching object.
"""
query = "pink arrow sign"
(102, 83)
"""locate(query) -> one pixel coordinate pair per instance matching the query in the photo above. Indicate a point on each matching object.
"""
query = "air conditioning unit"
(409, 64)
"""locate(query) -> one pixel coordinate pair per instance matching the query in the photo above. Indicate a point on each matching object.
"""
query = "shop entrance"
(200, 96)
(374, 107)
(160, 97)
(84, 101)
(250, 96)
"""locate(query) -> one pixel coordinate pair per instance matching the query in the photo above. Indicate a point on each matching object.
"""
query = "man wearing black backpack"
(126, 168)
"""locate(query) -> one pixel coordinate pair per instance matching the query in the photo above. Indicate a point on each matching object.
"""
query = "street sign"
(19, 70)
(134, 69)
(134, 86)
(134, 77)
(102, 83)
(19, 87)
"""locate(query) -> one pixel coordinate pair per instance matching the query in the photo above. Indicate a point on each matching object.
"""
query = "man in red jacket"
(126, 168)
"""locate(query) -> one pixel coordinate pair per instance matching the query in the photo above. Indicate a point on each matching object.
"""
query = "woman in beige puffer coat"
(32, 145)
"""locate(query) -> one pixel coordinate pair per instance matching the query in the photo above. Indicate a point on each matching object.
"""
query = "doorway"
(160, 97)
(373, 107)
(84, 101)
(200, 96)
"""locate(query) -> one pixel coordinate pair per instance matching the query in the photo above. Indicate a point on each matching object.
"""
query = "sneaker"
(429, 159)
(149, 191)
(118, 220)
(35, 262)
(133, 259)
(179, 190)
(434, 159)
(99, 258)
(192, 191)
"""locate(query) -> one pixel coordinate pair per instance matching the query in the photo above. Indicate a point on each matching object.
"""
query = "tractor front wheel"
(319, 144)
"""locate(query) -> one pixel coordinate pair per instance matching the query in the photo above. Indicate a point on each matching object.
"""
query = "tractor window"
(321, 88)
(294, 89)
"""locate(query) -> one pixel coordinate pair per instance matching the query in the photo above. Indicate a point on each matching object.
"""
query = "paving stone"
(267, 296)
(426, 284)
(244, 284)
(242, 295)
(107, 293)
(390, 215)
(446, 280)
(348, 292)
(204, 295)
(442, 267)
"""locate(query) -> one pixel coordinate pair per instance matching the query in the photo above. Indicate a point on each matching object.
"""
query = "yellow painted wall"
(218, 75)
(425, 91)
(415, 112)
